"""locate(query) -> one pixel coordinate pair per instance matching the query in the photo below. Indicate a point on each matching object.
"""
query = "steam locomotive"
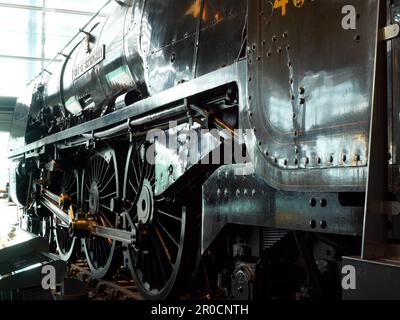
(218, 148)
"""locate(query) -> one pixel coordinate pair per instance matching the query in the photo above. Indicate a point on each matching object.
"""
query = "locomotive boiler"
(217, 148)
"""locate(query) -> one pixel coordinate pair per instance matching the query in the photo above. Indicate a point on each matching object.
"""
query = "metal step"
(22, 258)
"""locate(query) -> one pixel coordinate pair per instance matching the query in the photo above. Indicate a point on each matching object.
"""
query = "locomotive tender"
(307, 90)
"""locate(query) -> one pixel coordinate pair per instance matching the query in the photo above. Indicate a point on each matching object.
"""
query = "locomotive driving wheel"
(67, 245)
(158, 257)
(100, 191)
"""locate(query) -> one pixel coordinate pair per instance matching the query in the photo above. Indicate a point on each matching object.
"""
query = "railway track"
(120, 287)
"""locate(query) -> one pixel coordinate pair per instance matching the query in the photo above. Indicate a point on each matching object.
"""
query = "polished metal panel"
(132, 43)
(233, 196)
(183, 147)
(114, 72)
(310, 93)
(167, 42)
(222, 34)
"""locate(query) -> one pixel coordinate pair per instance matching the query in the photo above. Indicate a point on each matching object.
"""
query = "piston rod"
(49, 204)
(85, 226)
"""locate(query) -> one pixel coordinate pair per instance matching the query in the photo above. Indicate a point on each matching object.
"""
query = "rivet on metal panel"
(285, 162)
(245, 192)
(319, 160)
(331, 159)
(219, 193)
(323, 224)
(344, 158)
(313, 224)
(323, 203)
(313, 202)
(226, 193)
(357, 157)
(238, 193)
(302, 101)
(279, 50)
(285, 34)
(274, 38)
(253, 192)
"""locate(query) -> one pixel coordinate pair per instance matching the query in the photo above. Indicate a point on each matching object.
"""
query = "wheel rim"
(67, 245)
(155, 258)
(100, 188)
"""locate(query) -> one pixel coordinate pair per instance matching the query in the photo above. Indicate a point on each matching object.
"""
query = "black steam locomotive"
(219, 148)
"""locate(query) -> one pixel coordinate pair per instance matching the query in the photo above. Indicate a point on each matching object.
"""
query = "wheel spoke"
(164, 246)
(104, 175)
(131, 184)
(158, 251)
(109, 195)
(167, 233)
(136, 176)
(109, 181)
(169, 215)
